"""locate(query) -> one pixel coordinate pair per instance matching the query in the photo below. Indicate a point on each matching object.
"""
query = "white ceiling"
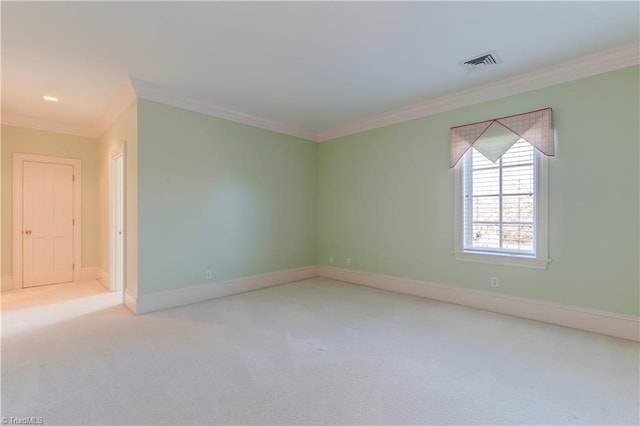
(312, 65)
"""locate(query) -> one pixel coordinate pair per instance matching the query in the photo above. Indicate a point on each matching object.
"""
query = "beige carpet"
(313, 352)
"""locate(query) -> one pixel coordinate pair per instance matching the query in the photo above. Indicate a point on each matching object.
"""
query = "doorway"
(117, 234)
(46, 220)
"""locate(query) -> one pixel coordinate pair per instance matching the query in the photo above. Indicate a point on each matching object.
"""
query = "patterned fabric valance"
(494, 137)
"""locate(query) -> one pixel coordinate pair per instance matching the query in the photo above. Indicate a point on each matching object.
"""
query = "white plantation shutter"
(499, 201)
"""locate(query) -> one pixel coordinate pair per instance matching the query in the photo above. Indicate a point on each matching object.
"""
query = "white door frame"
(112, 215)
(18, 161)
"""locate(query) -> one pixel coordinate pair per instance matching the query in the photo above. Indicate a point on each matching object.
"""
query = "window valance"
(494, 137)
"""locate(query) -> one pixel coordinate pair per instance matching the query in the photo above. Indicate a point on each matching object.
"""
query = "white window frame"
(538, 261)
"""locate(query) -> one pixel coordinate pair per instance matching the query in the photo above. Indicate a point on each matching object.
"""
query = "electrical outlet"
(331, 259)
(495, 282)
(348, 261)
(209, 274)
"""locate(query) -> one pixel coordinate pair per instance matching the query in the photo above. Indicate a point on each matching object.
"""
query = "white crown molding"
(48, 125)
(611, 324)
(587, 66)
(119, 103)
(152, 92)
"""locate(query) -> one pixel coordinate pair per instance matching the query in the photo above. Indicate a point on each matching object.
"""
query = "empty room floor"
(316, 351)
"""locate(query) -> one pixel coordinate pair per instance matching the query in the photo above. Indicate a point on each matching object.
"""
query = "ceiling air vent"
(480, 62)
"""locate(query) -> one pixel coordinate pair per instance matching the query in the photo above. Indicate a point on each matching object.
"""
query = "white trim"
(48, 125)
(7, 283)
(112, 215)
(542, 207)
(587, 66)
(149, 91)
(541, 260)
(145, 303)
(18, 160)
(503, 259)
(126, 300)
(617, 325)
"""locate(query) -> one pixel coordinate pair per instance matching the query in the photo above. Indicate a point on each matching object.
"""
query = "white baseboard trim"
(7, 283)
(617, 325)
(145, 303)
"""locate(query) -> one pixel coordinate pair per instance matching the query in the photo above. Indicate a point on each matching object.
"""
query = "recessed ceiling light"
(50, 98)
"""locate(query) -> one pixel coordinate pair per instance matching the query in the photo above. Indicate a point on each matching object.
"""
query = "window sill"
(503, 259)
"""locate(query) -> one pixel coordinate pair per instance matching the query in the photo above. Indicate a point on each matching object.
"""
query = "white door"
(47, 223)
(117, 223)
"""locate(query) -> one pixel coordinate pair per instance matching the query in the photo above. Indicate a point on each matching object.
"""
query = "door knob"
(28, 232)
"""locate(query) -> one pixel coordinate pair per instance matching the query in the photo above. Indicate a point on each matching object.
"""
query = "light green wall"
(215, 194)
(38, 142)
(385, 198)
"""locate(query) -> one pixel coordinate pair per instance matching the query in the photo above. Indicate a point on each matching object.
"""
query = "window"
(501, 207)
(500, 169)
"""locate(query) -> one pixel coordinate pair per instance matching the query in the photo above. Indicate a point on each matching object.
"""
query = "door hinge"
(73, 178)
(73, 222)
(73, 266)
